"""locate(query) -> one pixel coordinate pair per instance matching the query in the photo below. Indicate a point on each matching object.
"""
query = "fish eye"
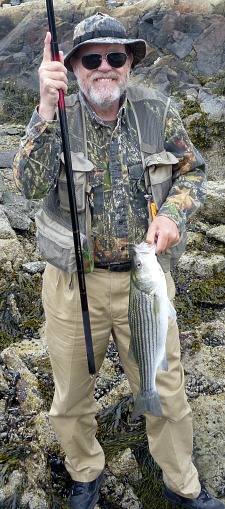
(138, 265)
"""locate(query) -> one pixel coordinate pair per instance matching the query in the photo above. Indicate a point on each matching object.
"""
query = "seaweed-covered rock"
(32, 472)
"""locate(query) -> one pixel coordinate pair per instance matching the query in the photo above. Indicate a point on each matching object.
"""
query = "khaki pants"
(73, 409)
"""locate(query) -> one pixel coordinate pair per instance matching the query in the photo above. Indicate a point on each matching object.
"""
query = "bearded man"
(137, 178)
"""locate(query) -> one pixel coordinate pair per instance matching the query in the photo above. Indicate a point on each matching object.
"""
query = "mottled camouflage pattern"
(119, 212)
(102, 28)
(33, 176)
(189, 182)
(97, 23)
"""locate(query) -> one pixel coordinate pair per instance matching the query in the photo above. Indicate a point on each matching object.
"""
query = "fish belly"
(148, 327)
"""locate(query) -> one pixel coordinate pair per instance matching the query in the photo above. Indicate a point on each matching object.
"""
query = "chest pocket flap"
(81, 166)
(159, 175)
(160, 166)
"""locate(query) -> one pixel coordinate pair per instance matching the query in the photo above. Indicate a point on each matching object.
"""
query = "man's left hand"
(163, 232)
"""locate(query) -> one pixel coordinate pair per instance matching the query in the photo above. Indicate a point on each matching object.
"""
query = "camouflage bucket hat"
(101, 28)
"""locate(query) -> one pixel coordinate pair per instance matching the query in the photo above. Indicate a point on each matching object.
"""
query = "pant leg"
(170, 437)
(73, 409)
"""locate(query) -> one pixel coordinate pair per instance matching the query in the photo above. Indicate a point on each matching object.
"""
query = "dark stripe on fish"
(144, 324)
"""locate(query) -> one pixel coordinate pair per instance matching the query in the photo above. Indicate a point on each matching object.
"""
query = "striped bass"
(149, 309)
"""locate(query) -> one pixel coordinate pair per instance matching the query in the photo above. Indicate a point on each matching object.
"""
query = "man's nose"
(104, 65)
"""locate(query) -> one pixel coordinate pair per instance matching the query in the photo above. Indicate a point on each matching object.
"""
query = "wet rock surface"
(26, 385)
(31, 461)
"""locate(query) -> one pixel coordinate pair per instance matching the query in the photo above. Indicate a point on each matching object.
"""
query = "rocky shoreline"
(186, 61)
(25, 375)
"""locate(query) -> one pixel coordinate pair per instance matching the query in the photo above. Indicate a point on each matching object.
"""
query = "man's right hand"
(52, 77)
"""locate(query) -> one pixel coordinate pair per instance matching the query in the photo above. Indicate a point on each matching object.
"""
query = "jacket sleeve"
(188, 190)
(36, 164)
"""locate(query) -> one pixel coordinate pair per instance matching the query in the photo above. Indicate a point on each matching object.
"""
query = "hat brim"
(137, 47)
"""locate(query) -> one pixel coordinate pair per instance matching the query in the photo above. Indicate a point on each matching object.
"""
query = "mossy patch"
(46, 389)
(198, 299)
(18, 103)
(27, 315)
(202, 130)
(11, 458)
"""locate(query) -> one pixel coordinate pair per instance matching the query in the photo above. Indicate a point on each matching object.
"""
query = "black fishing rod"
(72, 197)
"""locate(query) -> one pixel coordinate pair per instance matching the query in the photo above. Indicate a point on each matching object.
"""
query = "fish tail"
(147, 402)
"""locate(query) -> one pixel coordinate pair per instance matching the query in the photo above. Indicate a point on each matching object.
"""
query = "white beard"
(106, 98)
(107, 95)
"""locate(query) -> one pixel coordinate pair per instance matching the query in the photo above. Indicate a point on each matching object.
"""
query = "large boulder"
(204, 7)
(194, 36)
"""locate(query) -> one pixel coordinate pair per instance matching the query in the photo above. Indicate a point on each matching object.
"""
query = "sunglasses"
(94, 60)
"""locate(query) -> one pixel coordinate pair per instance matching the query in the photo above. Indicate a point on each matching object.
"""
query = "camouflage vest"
(53, 222)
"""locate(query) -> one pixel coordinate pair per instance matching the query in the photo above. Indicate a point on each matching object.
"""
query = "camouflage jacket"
(148, 133)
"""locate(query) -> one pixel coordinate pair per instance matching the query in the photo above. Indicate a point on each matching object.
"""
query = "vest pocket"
(81, 167)
(56, 244)
(160, 167)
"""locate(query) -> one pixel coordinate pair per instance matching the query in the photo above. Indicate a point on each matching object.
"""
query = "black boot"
(203, 501)
(84, 495)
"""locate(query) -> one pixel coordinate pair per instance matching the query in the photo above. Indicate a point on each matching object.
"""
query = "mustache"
(110, 74)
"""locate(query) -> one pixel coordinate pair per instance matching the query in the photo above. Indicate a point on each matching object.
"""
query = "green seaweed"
(202, 130)
(47, 391)
(26, 292)
(18, 103)
(198, 299)
(11, 458)
(117, 432)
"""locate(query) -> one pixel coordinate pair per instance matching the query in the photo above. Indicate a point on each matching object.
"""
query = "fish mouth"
(144, 247)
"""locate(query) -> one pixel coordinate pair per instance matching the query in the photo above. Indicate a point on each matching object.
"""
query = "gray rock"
(2, 188)
(192, 94)
(13, 308)
(214, 207)
(17, 219)
(6, 158)
(123, 495)
(15, 2)
(15, 480)
(34, 498)
(6, 231)
(195, 40)
(217, 233)
(209, 47)
(33, 267)
(202, 264)
(214, 107)
(17, 209)
(3, 387)
(182, 44)
(11, 251)
(28, 394)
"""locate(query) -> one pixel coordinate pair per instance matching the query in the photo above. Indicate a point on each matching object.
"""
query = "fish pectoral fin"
(164, 363)
(171, 310)
(147, 402)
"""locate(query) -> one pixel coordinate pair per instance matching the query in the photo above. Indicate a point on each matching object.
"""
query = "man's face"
(103, 86)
